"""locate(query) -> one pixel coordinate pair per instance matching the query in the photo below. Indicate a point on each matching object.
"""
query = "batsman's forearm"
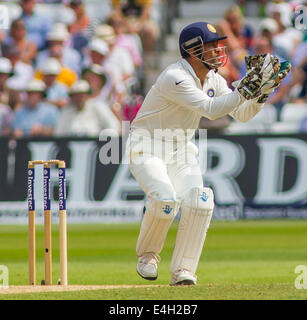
(221, 106)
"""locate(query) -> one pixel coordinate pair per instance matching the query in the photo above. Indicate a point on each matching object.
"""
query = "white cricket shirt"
(178, 101)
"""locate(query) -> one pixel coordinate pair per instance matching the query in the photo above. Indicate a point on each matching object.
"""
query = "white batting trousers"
(165, 177)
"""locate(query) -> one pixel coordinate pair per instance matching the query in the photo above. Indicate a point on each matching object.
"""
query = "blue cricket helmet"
(195, 33)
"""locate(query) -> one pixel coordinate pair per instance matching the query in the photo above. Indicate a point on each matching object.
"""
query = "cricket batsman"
(164, 160)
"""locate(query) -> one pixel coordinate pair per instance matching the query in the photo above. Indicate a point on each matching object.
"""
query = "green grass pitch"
(241, 260)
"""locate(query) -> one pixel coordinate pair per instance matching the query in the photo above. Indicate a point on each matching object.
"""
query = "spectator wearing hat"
(100, 84)
(56, 92)
(35, 117)
(17, 37)
(57, 39)
(22, 73)
(118, 56)
(98, 51)
(37, 25)
(85, 116)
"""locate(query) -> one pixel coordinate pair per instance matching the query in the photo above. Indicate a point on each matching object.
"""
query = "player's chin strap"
(198, 46)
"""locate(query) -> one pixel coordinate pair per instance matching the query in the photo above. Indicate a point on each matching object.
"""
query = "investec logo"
(62, 190)
(46, 189)
(30, 190)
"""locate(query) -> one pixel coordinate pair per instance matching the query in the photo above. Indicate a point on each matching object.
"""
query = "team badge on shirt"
(211, 93)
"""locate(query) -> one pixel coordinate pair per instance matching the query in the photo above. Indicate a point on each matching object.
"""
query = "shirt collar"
(188, 67)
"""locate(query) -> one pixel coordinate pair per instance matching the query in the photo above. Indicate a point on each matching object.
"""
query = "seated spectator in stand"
(68, 57)
(23, 72)
(98, 51)
(6, 71)
(35, 117)
(6, 116)
(56, 92)
(268, 29)
(240, 35)
(148, 29)
(132, 31)
(80, 28)
(85, 116)
(97, 78)
(17, 38)
(286, 37)
(118, 56)
(37, 25)
(125, 40)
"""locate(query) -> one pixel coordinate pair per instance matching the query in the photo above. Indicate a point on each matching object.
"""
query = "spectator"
(101, 87)
(65, 15)
(119, 57)
(286, 37)
(141, 9)
(125, 40)
(23, 72)
(132, 31)
(268, 29)
(96, 78)
(6, 71)
(85, 116)
(80, 28)
(68, 57)
(283, 8)
(6, 116)
(35, 117)
(17, 37)
(98, 53)
(37, 26)
(240, 35)
(56, 92)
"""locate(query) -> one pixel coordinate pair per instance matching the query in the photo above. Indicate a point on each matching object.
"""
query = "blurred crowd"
(72, 75)
(282, 32)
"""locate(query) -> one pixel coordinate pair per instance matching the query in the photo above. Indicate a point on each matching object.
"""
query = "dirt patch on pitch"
(34, 289)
